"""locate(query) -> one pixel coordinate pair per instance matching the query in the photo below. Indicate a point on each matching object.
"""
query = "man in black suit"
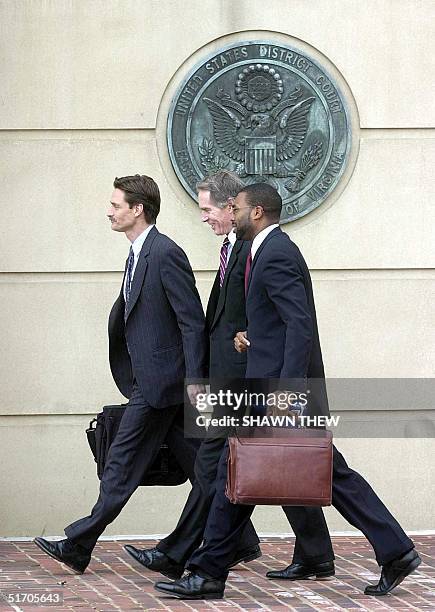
(282, 343)
(156, 339)
(313, 555)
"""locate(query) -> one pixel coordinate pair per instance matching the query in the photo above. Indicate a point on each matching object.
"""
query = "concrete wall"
(82, 99)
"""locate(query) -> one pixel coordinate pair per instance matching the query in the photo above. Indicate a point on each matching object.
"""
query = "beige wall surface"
(84, 94)
(105, 64)
(63, 182)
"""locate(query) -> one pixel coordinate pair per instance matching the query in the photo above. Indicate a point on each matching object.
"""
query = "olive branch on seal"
(211, 162)
(310, 158)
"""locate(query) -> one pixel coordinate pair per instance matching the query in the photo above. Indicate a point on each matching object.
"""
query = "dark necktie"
(223, 260)
(129, 273)
(247, 271)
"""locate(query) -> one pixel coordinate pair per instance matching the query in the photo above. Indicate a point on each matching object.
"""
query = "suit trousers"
(188, 534)
(313, 544)
(141, 432)
(352, 496)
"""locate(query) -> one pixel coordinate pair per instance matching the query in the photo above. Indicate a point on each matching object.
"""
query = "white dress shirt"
(260, 237)
(137, 246)
(232, 238)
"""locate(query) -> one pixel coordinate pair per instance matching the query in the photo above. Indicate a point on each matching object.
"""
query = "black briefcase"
(165, 471)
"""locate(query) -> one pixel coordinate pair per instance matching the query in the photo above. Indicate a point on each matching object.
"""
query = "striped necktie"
(223, 260)
(130, 263)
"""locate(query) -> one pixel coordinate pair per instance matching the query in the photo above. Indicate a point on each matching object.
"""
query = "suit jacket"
(162, 339)
(226, 316)
(282, 324)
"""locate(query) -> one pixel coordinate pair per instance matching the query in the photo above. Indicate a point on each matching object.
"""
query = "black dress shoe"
(299, 571)
(393, 573)
(244, 556)
(65, 551)
(193, 586)
(155, 560)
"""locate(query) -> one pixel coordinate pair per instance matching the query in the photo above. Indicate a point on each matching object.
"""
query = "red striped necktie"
(223, 260)
(247, 271)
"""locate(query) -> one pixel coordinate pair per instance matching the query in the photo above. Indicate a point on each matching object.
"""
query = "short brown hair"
(140, 189)
(222, 185)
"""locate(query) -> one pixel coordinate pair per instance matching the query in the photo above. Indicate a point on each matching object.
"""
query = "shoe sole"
(50, 554)
(170, 575)
(247, 559)
(411, 567)
(195, 597)
(318, 576)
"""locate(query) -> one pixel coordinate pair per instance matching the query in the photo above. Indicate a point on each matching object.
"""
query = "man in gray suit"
(156, 339)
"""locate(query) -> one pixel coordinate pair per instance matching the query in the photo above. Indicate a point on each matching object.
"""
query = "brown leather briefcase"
(289, 468)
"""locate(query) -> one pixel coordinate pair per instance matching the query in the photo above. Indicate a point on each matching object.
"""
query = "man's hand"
(282, 403)
(241, 342)
(193, 391)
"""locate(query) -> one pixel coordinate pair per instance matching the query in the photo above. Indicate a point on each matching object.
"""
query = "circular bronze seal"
(267, 112)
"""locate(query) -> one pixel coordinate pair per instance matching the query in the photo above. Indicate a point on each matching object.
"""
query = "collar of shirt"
(232, 238)
(138, 243)
(259, 238)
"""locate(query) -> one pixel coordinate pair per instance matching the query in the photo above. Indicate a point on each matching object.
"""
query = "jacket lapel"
(139, 273)
(260, 248)
(212, 302)
(121, 295)
(223, 292)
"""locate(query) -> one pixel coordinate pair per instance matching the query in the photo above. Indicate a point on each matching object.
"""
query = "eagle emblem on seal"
(261, 130)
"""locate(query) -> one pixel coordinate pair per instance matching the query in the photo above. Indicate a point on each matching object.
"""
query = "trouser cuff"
(313, 560)
(165, 548)
(406, 546)
(87, 545)
(205, 569)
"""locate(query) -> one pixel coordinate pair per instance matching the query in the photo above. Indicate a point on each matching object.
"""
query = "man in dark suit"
(313, 555)
(156, 339)
(282, 343)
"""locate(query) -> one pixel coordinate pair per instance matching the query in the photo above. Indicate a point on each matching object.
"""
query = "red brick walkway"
(112, 582)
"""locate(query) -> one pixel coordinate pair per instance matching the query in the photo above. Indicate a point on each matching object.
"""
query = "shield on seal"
(260, 155)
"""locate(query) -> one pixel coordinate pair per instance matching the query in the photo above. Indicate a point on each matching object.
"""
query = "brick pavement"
(114, 582)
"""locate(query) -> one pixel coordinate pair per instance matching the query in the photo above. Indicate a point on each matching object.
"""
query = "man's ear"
(138, 209)
(257, 212)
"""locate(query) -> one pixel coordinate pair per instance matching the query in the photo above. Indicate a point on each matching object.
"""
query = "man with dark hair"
(313, 555)
(282, 340)
(143, 190)
(156, 340)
